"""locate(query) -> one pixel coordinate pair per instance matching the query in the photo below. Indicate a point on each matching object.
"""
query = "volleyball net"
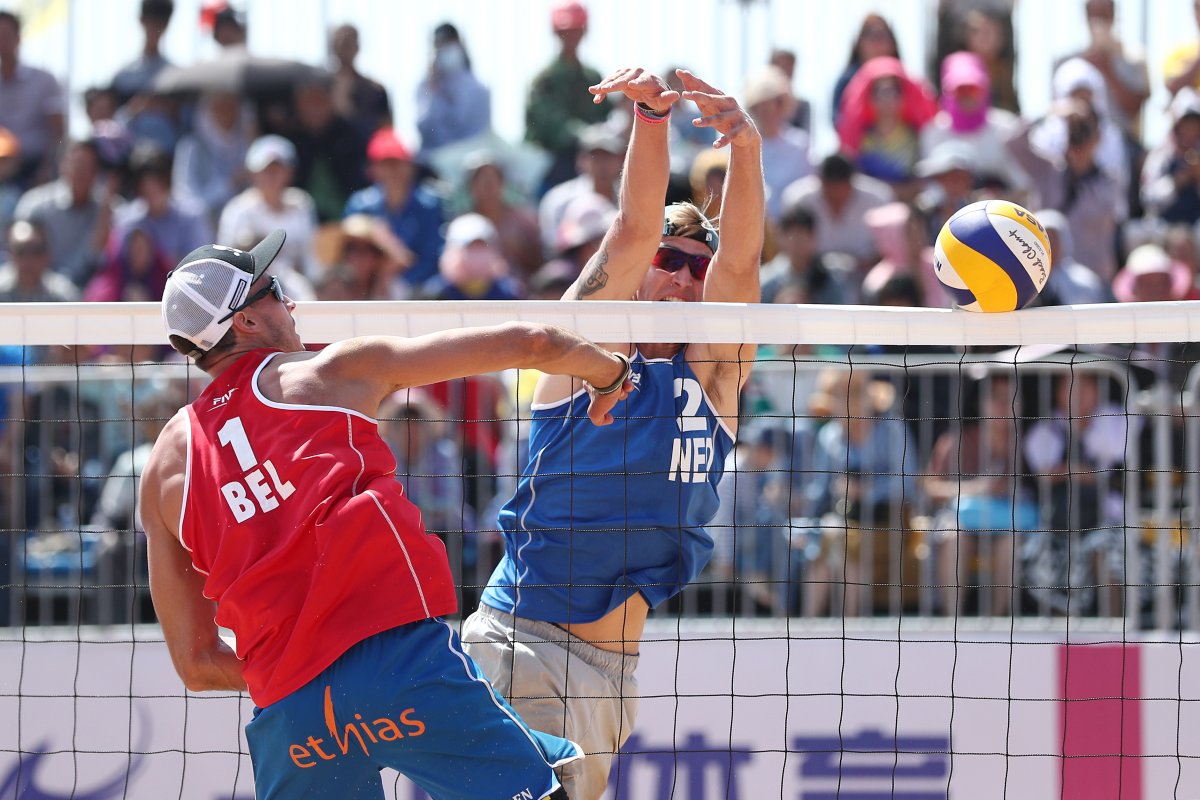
(954, 555)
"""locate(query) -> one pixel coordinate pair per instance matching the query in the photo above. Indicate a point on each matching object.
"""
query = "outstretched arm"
(365, 370)
(617, 268)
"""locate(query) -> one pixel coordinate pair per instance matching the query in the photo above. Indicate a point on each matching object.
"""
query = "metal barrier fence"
(941, 486)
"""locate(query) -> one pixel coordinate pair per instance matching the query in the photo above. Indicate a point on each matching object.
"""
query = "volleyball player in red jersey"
(272, 509)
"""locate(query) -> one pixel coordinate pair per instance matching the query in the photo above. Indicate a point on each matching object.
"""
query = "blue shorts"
(408, 698)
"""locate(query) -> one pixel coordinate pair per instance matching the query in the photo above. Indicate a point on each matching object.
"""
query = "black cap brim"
(265, 251)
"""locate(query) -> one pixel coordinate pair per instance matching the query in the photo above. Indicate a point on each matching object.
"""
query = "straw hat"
(840, 393)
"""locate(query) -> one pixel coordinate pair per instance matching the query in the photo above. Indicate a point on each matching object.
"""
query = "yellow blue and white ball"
(992, 255)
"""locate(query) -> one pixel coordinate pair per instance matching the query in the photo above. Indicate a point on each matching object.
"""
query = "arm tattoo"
(594, 277)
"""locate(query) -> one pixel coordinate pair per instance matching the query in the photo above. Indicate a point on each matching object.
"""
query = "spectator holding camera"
(1071, 181)
(1171, 175)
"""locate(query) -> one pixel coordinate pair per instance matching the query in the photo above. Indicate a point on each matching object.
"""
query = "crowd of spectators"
(372, 216)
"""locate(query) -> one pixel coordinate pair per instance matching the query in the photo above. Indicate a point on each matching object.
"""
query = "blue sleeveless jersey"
(603, 512)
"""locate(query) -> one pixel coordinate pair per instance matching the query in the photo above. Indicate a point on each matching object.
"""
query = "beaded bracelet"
(648, 115)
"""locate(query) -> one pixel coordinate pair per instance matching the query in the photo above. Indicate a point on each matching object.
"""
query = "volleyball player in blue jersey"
(607, 523)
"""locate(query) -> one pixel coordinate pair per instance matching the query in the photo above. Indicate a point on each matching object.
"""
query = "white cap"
(208, 284)
(471, 227)
(266, 150)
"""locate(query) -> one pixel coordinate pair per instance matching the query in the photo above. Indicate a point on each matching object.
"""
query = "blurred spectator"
(751, 522)
(1077, 453)
(515, 221)
(10, 192)
(988, 35)
(228, 24)
(1181, 67)
(840, 199)
(978, 499)
(584, 224)
(800, 110)
(862, 481)
(32, 107)
(137, 77)
(271, 203)
(209, 162)
(1180, 243)
(799, 273)
(1076, 79)
(559, 103)
(76, 211)
(1123, 67)
(1072, 182)
(428, 461)
(901, 235)
(135, 270)
(1150, 275)
(602, 152)
(330, 152)
(178, 229)
(27, 277)
(472, 266)
(357, 98)
(968, 119)
(100, 103)
(706, 180)
(901, 291)
(1171, 175)
(985, 28)
(363, 259)
(452, 104)
(875, 38)
(785, 148)
(687, 141)
(552, 280)
(1070, 283)
(410, 208)
(949, 183)
(883, 112)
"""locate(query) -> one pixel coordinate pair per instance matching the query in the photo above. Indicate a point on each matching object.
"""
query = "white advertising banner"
(727, 711)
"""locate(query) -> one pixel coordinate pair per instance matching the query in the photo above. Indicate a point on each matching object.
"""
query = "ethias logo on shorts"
(360, 733)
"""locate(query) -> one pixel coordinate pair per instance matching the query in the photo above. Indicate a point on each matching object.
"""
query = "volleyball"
(992, 255)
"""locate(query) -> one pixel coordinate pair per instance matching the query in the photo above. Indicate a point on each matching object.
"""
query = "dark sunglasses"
(668, 259)
(271, 288)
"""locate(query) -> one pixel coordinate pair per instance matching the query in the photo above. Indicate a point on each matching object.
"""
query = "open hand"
(720, 112)
(639, 86)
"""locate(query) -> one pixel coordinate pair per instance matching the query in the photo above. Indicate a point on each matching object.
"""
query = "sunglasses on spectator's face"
(668, 259)
(271, 288)
(29, 250)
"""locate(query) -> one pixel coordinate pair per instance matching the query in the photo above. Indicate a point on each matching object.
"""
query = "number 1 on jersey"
(238, 493)
(233, 433)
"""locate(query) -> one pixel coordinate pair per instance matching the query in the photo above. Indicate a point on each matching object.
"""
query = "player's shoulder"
(169, 452)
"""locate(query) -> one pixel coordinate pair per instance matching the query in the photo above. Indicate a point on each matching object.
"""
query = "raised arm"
(203, 661)
(617, 268)
(733, 275)
(361, 372)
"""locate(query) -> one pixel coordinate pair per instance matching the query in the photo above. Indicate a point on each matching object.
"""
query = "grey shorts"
(559, 684)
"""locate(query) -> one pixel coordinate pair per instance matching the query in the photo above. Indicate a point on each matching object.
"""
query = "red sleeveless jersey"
(295, 516)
